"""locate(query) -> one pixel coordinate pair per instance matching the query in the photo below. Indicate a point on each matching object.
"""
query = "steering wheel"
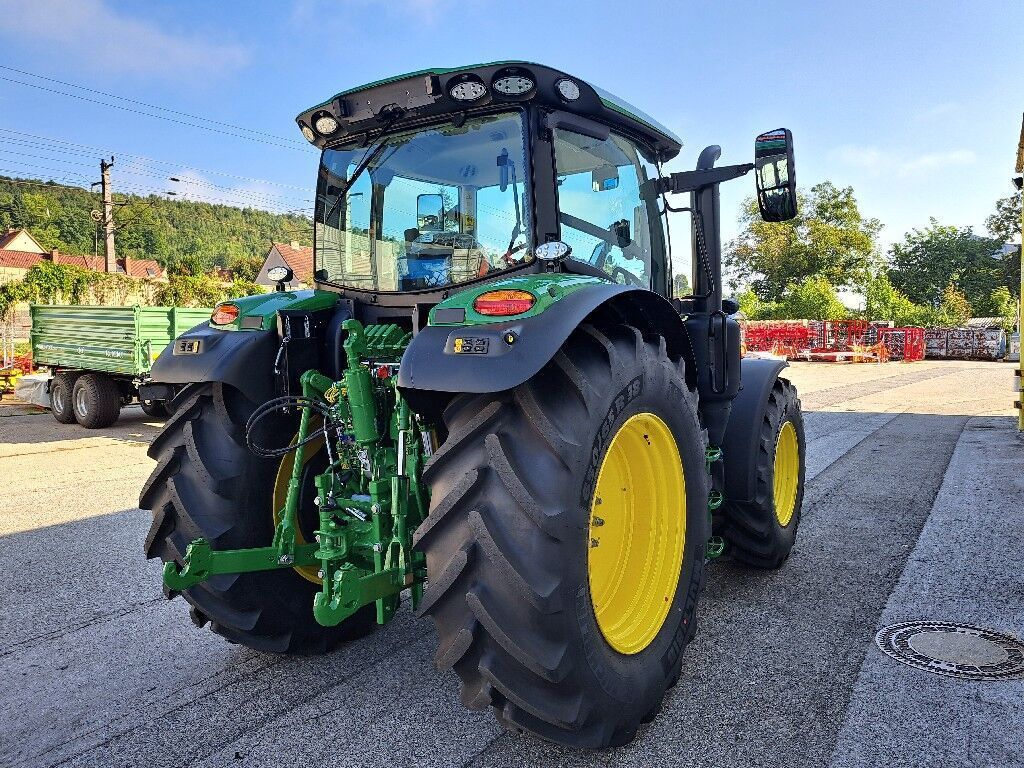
(627, 277)
(601, 233)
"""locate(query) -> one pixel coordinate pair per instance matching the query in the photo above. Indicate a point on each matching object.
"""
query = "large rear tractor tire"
(61, 404)
(208, 484)
(761, 533)
(97, 400)
(566, 539)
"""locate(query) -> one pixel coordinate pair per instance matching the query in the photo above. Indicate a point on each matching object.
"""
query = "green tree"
(953, 310)
(931, 259)
(829, 239)
(42, 212)
(813, 298)
(1005, 307)
(240, 288)
(1005, 224)
(191, 291)
(750, 305)
(680, 285)
(148, 227)
(883, 301)
(246, 267)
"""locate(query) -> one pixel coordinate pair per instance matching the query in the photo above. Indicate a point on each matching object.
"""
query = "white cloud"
(95, 35)
(876, 162)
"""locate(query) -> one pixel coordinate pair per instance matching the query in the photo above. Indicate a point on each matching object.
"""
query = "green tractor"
(490, 399)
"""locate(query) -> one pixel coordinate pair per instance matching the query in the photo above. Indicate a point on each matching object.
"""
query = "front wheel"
(761, 532)
(566, 538)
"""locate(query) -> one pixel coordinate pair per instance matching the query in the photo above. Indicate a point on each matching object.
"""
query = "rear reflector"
(502, 303)
(224, 314)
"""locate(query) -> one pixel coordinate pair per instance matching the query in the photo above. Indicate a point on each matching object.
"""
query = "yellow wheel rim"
(284, 474)
(787, 473)
(637, 533)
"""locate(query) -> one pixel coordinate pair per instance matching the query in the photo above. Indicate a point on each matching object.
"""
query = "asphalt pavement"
(914, 509)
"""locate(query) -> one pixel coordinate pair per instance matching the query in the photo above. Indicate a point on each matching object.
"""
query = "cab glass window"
(606, 210)
(433, 207)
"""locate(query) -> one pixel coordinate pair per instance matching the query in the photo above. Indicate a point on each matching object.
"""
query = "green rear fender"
(463, 351)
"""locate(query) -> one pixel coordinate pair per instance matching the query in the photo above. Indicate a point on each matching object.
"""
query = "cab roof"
(428, 92)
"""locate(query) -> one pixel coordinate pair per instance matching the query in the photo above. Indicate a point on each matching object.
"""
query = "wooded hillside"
(204, 234)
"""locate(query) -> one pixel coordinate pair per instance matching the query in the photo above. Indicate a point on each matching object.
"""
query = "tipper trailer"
(100, 357)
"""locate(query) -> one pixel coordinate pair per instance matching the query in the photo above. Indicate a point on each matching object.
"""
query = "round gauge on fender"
(468, 90)
(568, 89)
(513, 85)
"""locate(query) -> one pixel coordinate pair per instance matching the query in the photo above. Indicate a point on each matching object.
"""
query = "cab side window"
(602, 214)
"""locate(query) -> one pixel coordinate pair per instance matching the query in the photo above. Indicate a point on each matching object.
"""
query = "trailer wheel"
(155, 408)
(208, 484)
(97, 400)
(61, 402)
(761, 532)
(566, 539)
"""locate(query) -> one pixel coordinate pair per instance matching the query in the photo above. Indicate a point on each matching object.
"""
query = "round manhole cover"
(954, 650)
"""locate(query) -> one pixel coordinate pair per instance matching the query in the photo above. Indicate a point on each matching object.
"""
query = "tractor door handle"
(718, 348)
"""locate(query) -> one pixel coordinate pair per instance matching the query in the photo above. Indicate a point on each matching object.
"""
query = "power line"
(140, 191)
(48, 184)
(233, 190)
(295, 147)
(36, 167)
(153, 106)
(165, 163)
(43, 157)
(131, 169)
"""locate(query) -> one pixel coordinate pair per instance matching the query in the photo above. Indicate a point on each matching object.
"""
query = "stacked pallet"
(849, 340)
(965, 343)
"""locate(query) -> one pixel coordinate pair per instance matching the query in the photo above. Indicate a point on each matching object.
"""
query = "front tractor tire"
(761, 532)
(208, 484)
(566, 539)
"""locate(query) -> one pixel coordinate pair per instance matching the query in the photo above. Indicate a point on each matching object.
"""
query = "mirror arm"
(693, 181)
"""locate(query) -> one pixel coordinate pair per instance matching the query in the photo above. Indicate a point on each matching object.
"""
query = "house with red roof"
(298, 257)
(19, 252)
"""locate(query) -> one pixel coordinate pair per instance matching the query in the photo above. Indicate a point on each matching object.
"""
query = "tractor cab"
(441, 178)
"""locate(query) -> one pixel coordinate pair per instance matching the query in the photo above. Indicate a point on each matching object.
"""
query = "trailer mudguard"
(461, 352)
(739, 448)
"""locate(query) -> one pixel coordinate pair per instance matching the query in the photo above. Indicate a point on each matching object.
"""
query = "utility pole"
(108, 216)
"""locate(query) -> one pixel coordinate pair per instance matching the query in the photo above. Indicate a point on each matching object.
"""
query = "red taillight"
(224, 314)
(504, 303)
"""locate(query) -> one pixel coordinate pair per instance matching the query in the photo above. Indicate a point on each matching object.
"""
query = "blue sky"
(917, 105)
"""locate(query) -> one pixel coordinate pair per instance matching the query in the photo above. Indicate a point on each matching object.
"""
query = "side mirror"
(429, 213)
(775, 175)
